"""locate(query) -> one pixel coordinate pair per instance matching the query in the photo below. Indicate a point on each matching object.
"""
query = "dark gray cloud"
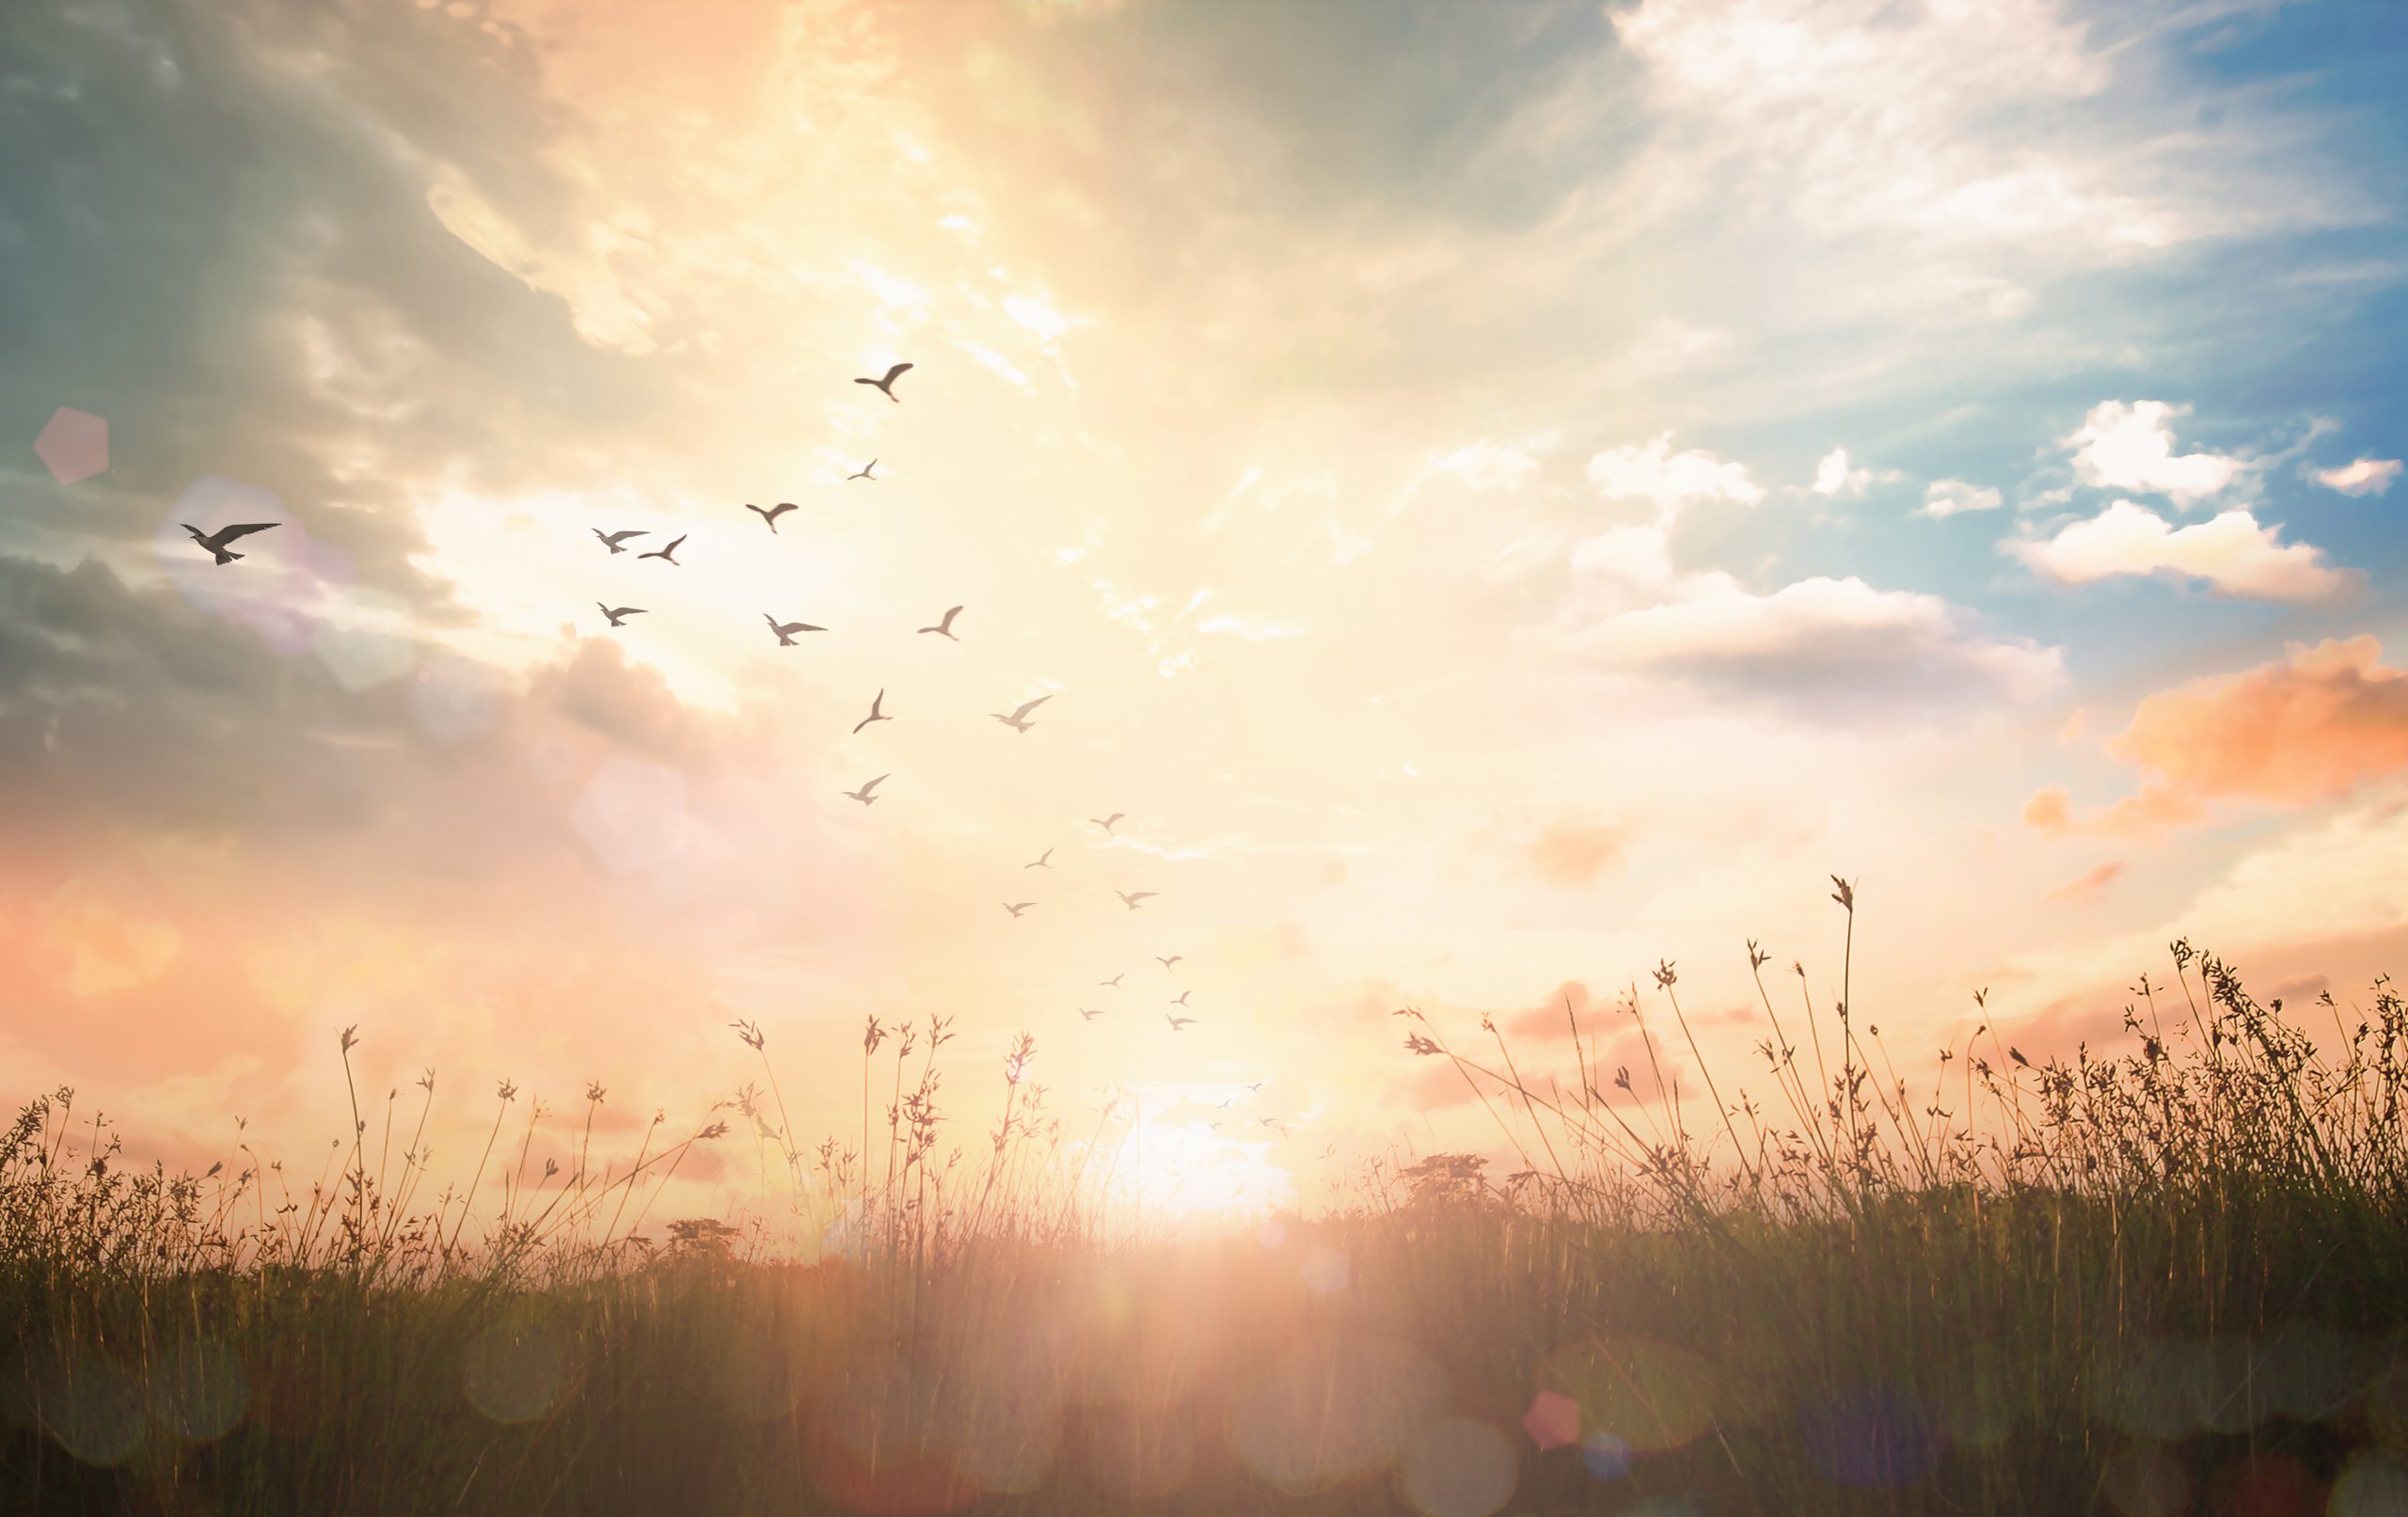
(216, 235)
(129, 712)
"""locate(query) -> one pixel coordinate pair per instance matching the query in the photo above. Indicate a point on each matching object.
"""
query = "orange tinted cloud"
(2312, 726)
(2089, 884)
(1570, 852)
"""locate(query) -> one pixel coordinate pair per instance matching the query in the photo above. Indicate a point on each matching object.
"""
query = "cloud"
(2311, 727)
(1950, 498)
(2364, 477)
(2130, 447)
(2153, 809)
(1570, 851)
(1818, 638)
(1835, 478)
(1669, 481)
(2232, 552)
(2089, 884)
(1487, 466)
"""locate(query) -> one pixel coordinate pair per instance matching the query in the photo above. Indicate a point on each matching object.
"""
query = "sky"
(1499, 496)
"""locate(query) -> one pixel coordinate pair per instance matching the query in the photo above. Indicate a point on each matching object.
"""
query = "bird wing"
(674, 547)
(1140, 895)
(946, 621)
(783, 507)
(228, 534)
(874, 784)
(198, 538)
(895, 372)
(1030, 705)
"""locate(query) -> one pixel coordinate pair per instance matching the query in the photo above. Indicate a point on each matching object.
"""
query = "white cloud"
(1487, 466)
(994, 362)
(2130, 447)
(1817, 633)
(1833, 477)
(2233, 553)
(2368, 475)
(1949, 497)
(1039, 318)
(1669, 479)
(1626, 556)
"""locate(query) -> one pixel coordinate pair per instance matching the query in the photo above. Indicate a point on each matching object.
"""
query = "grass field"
(2170, 1280)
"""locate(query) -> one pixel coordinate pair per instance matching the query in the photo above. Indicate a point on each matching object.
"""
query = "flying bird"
(668, 553)
(1016, 911)
(1254, 1087)
(944, 624)
(1115, 981)
(875, 714)
(862, 795)
(1181, 999)
(772, 514)
(1130, 898)
(1040, 862)
(216, 542)
(1178, 1023)
(785, 630)
(609, 540)
(1105, 822)
(1018, 720)
(1168, 962)
(886, 385)
(615, 616)
(1089, 1015)
(864, 473)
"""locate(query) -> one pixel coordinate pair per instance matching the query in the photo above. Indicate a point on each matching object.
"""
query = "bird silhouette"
(785, 630)
(862, 795)
(1105, 822)
(1040, 862)
(1016, 911)
(1115, 981)
(772, 514)
(613, 540)
(216, 542)
(1168, 962)
(886, 385)
(1179, 1023)
(1130, 898)
(1181, 999)
(1255, 1087)
(1089, 1015)
(668, 553)
(944, 624)
(875, 714)
(864, 473)
(1018, 720)
(615, 616)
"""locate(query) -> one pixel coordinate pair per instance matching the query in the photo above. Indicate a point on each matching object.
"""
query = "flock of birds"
(1017, 720)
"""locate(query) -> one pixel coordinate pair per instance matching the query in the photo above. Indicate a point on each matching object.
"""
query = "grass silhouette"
(2165, 1281)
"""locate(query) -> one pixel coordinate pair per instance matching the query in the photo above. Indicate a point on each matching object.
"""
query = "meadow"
(2168, 1280)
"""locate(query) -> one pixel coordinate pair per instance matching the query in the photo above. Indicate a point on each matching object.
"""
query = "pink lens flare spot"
(632, 813)
(1553, 1420)
(1325, 1272)
(1457, 1467)
(74, 445)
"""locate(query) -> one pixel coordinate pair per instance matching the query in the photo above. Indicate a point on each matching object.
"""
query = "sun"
(1175, 1169)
